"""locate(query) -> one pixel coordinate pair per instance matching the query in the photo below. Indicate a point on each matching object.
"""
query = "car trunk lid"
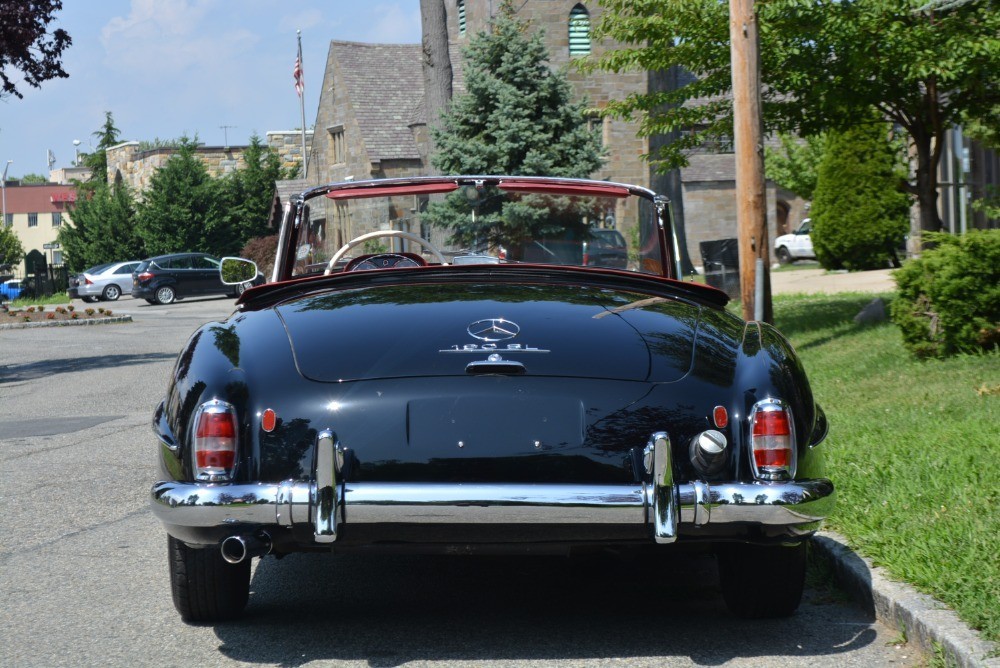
(449, 329)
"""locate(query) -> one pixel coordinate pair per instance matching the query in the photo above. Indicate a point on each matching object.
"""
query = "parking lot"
(83, 569)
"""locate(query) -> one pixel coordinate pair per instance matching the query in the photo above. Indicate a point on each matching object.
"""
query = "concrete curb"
(925, 621)
(67, 323)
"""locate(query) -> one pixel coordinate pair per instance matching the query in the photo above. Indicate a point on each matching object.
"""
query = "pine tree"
(103, 228)
(516, 117)
(247, 194)
(109, 135)
(859, 213)
(182, 210)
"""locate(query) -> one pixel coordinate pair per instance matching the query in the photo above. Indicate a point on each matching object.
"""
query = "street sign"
(52, 246)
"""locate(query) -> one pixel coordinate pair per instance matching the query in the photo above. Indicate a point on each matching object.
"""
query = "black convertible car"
(437, 367)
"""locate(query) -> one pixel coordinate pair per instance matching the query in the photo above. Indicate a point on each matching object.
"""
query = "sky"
(167, 68)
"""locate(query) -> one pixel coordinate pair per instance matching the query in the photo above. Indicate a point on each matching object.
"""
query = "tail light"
(772, 440)
(89, 282)
(145, 276)
(214, 442)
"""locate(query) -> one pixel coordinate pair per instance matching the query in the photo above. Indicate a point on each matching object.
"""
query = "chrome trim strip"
(799, 504)
(429, 503)
(324, 498)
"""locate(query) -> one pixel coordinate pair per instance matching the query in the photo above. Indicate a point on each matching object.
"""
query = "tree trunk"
(436, 61)
(926, 184)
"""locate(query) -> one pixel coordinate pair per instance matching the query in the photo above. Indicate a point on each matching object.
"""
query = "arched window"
(461, 17)
(579, 32)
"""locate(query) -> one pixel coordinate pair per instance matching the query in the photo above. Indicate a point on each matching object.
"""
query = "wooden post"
(748, 139)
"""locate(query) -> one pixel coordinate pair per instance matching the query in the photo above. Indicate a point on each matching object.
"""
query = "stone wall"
(131, 165)
(288, 145)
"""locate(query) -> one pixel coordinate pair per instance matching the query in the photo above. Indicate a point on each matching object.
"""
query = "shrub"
(90, 311)
(859, 214)
(949, 299)
(262, 251)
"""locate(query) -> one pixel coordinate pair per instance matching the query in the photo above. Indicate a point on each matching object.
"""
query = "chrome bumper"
(324, 502)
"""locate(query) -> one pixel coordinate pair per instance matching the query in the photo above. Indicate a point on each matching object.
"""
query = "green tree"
(824, 64)
(33, 179)
(103, 228)
(794, 167)
(182, 209)
(516, 117)
(247, 194)
(859, 213)
(27, 46)
(11, 251)
(97, 162)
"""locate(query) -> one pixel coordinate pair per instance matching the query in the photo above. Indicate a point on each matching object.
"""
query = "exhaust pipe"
(235, 549)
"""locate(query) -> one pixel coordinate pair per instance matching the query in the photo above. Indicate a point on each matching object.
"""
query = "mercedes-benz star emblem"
(493, 329)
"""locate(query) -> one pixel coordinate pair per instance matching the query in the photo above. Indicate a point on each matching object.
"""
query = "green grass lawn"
(57, 298)
(914, 450)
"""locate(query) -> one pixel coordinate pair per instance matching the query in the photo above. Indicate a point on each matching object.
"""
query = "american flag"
(300, 82)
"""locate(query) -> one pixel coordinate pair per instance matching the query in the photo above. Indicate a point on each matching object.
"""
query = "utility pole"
(225, 133)
(748, 139)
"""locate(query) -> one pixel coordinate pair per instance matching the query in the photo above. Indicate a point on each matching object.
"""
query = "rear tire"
(112, 293)
(165, 295)
(89, 300)
(205, 587)
(760, 581)
(784, 257)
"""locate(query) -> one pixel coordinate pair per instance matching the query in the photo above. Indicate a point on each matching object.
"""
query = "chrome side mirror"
(237, 270)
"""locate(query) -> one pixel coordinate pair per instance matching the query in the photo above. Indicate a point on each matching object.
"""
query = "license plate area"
(485, 427)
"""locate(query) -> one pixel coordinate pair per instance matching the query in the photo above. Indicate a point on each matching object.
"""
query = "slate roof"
(709, 167)
(385, 86)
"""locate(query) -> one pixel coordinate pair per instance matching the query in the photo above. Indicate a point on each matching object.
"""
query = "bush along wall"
(949, 299)
(859, 213)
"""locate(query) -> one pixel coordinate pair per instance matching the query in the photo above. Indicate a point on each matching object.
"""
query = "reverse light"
(215, 431)
(772, 440)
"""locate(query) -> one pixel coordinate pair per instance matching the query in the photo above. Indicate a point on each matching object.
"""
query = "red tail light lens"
(89, 282)
(145, 276)
(215, 435)
(772, 440)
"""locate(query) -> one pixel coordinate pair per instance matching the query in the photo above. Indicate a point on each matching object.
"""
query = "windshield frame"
(298, 209)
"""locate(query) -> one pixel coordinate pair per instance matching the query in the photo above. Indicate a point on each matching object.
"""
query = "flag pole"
(302, 107)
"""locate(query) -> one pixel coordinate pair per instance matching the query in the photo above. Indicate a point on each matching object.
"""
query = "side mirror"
(236, 270)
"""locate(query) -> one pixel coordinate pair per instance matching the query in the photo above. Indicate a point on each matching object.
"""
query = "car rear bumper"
(797, 507)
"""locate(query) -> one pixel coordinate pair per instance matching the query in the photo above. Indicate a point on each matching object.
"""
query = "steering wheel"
(375, 235)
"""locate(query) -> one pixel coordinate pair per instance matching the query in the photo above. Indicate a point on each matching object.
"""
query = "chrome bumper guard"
(321, 503)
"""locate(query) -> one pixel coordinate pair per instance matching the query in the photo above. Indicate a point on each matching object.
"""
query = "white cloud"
(170, 38)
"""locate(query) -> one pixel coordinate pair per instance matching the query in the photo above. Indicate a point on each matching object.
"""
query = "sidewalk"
(819, 281)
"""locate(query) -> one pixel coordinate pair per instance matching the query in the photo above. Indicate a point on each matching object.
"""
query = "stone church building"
(370, 122)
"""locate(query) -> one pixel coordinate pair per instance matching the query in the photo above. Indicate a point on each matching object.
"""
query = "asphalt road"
(83, 569)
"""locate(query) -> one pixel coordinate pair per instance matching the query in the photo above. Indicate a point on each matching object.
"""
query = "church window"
(579, 32)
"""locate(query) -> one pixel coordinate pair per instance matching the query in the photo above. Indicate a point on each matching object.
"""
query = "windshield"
(517, 221)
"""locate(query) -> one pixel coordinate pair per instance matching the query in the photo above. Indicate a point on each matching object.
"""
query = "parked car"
(795, 246)
(391, 401)
(106, 282)
(605, 248)
(166, 278)
(10, 289)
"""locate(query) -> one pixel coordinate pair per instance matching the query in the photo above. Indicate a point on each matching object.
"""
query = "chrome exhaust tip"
(236, 549)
